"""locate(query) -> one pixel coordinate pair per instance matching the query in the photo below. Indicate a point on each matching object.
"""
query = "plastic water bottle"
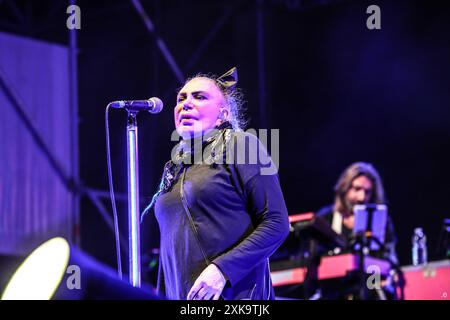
(419, 247)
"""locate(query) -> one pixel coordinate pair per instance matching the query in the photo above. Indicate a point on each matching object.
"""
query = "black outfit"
(240, 215)
(344, 288)
(347, 234)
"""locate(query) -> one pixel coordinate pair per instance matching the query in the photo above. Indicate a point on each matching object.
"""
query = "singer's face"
(198, 107)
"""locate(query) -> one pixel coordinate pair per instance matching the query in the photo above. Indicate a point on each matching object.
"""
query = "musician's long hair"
(344, 183)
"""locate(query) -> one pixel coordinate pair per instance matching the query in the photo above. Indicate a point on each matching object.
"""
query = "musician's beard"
(349, 204)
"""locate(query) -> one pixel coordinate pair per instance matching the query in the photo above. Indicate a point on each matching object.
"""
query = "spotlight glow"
(39, 275)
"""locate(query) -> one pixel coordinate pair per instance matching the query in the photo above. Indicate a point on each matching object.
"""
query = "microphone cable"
(111, 193)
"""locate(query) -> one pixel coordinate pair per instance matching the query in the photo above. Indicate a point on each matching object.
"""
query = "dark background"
(338, 92)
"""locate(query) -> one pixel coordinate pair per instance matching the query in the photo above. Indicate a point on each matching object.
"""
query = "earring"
(222, 114)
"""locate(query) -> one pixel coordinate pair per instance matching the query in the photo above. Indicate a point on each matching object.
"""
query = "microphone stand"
(134, 257)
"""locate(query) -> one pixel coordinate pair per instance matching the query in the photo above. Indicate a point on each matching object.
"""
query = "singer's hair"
(234, 100)
(345, 181)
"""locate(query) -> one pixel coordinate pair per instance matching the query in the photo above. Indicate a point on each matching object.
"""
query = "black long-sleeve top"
(239, 212)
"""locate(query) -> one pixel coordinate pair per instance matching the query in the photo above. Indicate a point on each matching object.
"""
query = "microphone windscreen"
(157, 105)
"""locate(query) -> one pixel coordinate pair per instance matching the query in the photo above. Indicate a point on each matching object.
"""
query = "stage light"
(9, 263)
(56, 270)
(36, 278)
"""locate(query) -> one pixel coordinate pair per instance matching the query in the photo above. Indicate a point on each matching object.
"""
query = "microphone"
(152, 105)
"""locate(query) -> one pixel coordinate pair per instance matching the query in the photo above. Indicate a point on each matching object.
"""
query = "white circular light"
(39, 275)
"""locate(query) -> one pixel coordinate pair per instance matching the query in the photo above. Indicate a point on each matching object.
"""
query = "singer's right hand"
(209, 285)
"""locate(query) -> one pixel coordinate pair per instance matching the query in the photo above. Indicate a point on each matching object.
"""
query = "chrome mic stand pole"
(134, 257)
